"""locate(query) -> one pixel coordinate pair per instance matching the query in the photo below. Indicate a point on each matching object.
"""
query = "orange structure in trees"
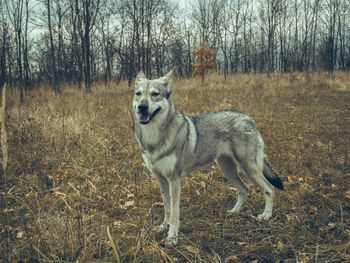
(204, 60)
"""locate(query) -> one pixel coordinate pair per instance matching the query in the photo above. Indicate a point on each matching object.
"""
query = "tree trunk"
(87, 69)
(53, 71)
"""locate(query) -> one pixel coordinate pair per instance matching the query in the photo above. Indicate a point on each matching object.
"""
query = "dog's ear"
(167, 79)
(140, 76)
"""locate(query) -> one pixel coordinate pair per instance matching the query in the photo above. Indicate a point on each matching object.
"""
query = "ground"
(76, 188)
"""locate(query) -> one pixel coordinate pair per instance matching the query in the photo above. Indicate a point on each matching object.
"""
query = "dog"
(174, 144)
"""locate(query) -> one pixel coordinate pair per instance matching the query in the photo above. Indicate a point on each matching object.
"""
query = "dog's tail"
(271, 176)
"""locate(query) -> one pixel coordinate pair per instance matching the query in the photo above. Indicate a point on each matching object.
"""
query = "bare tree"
(53, 68)
(85, 40)
(4, 46)
(15, 15)
(90, 11)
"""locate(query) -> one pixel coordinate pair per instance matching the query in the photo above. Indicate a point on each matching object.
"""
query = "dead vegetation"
(77, 189)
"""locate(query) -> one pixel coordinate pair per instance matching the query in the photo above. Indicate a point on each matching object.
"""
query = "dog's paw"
(172, 237)
(162, 227)
(266, 215)
(232, 211)
(238, 206)
(170, 242)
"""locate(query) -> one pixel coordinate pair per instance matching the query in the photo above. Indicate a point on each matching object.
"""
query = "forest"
(82, 41)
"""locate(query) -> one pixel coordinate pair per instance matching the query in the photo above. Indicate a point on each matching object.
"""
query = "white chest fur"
(150, 134)
(164, 166)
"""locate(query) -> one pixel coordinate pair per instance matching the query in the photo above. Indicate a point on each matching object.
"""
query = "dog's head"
(151, 97)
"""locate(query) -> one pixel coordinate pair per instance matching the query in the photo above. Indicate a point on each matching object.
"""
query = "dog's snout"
(143, 106)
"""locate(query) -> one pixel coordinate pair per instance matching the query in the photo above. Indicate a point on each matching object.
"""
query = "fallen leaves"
(20, 234)
(347, 194)
(232, 258)
(128, 204)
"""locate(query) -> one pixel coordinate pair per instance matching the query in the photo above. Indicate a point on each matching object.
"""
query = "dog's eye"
(155, 94)
(138, 93)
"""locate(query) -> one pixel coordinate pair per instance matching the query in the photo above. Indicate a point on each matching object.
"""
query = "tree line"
(81, 41)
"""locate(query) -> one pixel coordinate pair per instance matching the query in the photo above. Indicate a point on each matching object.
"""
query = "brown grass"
(77, 189)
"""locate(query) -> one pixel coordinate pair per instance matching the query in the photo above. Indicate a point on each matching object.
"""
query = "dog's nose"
(143, 107)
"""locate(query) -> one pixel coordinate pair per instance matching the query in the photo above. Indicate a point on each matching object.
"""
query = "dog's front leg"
(174, 221)
(164, 190)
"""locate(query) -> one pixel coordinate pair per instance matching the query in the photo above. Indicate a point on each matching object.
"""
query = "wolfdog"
(173, 144)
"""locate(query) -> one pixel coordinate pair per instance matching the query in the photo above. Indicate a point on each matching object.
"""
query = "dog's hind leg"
(164, 190)
(268, 191)
(229, 169)
(255, 173)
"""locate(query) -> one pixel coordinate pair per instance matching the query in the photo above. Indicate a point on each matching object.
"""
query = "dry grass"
(77, 189)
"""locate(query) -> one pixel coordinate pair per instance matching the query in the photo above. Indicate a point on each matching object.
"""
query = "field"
(77, 190)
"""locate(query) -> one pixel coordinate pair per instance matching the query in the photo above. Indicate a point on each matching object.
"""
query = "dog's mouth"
(145, 117)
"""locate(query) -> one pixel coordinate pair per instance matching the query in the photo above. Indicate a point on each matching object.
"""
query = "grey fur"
(173, 145)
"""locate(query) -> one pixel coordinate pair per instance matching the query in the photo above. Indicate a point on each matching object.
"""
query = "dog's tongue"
(144, 118)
